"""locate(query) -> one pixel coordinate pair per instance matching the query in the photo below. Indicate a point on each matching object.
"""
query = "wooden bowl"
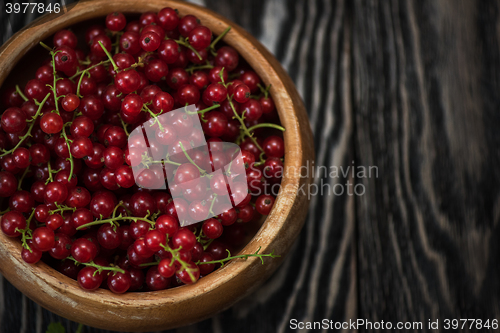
(187, 304)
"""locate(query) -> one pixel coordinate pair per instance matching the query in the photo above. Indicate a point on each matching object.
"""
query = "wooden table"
(410, 89)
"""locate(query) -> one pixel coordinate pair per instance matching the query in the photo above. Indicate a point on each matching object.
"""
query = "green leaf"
(55, 328)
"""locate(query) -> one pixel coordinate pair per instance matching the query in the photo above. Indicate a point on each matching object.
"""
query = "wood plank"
(426, 113)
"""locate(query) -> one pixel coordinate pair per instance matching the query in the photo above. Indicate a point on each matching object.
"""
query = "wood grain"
(426, 109)
(187, 304)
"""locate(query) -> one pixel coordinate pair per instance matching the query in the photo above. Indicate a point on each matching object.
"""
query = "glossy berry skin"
(216, 124)
(267, 105)
(273, 168)
(141, 203)
(200, 37)
(96, 49)
(119, 282)
(109, 238)
(43, 239)
(124, 176)
(83, 250)
(212, 228)
(81, 147)
(167, 224)
(155, 281)
(228, 217)
(154, 240)
(115, 136)
(102, 203)
(155, 70)
(162, 102)
(215, 93)
(264, 204)
(169, 51)
(13, 120)
(35, 89)
(65, 58)
(33, 256)
(42, 213)
(8, 184)
(92, 107)
(184, 238)
(227, 57)
(166, 268)
(70, 102)
(251, 79)
(187, 24)
(127, 81)
(22, 201)
(55, 221)
(87, 280)
(113, 157)
(116, 21)
(62, 246)
(274, 146)
(55, 192)
(150, 41)
(184, 276)
(168, 18)
(11, 221)
(65, 37)
(82, 126)
(242, 93)
(251, 109)
(129, 42)
(51, 123)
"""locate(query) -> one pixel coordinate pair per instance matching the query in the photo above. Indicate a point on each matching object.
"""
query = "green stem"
(61, 209)
(216, 40)
(124, 125)
(45, 46)
(23, 96)
(215, 106)
(70, 158)
(89, 68)
(203, 172)
(80, 84)
(98, 267)
(113, 221)
(183, 42)
(22, 138)
(153, 115)
(80, 328)
(242, 256)
(242, 124)
(22, 178)
(190, 70)
(278, 127)
(176, 257)
(109, 57)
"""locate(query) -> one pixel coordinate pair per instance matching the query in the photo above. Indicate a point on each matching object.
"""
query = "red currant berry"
(31, 256)
(212, 228)
(227, 57)
(43, 239)
(51, 123)
(81, 147)
(188, 23)
(22, 201)
(13, 120)
(70, 102)
(65, 37)
(116, 21)
(65, 58)
(241, 93)
(155, 281)
(168, 18)
(166, 268)
(169, 51)
(96, 48)
(184, 238)
(119, 282)
(102, 203)
(12, 222)
(83, 250)
(274, 146)
(150, 41)
(189, 275)
(62, 247)
(87, 279)
(200, 37)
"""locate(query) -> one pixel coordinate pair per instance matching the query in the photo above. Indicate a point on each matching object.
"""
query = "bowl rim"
(298, 150)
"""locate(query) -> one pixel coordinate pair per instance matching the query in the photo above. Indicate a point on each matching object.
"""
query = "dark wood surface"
(408, 87)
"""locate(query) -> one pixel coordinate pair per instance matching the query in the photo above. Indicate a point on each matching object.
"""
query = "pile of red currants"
(67, 185)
